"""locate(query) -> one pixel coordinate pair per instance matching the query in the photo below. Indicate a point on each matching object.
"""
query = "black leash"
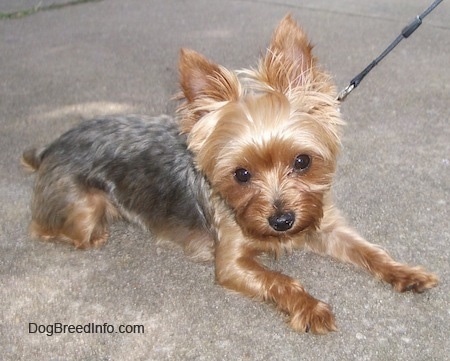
(406, 32)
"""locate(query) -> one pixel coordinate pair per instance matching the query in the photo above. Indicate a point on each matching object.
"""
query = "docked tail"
(31, 159)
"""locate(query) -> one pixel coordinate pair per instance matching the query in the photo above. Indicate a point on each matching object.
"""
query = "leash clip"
(345, 92)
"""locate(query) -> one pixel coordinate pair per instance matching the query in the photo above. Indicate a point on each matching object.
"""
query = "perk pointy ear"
(204, 84)
(203, 79)
(288, 62)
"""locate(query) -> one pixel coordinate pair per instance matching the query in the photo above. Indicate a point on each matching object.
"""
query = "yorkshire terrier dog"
(245, 169)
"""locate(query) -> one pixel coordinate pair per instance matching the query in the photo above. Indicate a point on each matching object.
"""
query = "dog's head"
(266, 138)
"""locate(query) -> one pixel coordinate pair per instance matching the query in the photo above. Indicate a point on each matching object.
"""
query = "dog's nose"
(282, 222)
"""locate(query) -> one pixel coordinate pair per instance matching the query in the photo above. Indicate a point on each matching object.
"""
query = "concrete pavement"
(60, 67)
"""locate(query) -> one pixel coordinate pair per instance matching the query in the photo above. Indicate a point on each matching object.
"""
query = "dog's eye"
(242, 175)
(302, 162)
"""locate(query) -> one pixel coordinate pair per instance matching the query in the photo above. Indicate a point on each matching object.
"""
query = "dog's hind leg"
(72, 213)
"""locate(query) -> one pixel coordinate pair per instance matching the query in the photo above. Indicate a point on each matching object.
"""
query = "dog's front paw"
(416, 279)
(315, 317)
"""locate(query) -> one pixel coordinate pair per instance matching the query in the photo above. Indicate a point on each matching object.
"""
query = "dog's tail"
(31, 159)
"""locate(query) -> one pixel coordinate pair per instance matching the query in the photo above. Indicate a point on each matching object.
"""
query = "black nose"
(282, 222)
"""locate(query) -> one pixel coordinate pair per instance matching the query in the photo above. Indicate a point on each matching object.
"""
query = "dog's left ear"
(288, 62)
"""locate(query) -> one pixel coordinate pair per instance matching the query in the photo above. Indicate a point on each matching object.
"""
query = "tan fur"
(85, 225)
(260, 120)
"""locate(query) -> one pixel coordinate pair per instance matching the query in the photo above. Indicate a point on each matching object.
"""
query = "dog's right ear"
(203, 84)
(201, 78)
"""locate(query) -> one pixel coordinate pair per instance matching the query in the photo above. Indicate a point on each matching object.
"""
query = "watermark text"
(59, 328)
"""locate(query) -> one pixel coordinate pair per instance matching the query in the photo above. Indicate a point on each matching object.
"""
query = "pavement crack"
(38, 8)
